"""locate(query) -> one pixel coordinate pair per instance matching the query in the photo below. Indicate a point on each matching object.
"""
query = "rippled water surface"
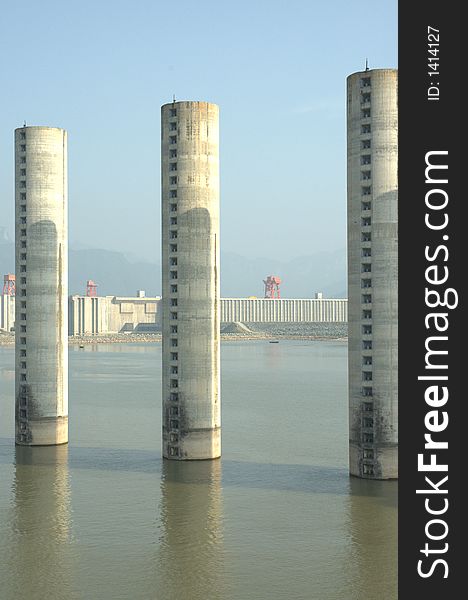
(276, 518)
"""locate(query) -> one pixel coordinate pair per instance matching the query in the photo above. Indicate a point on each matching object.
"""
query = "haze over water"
(276, 518)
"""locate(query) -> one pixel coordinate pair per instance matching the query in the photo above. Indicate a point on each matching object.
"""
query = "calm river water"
(277, 518)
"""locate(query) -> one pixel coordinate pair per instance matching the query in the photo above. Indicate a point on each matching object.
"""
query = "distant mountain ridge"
(117, 275)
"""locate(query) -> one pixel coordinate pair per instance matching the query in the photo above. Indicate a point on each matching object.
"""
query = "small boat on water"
(274, 341)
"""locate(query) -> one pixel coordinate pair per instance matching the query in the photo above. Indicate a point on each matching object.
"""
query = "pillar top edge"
(189, 102)
(40, 127)
(370, 71)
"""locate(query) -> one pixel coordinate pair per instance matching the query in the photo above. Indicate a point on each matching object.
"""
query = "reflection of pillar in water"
(191, 549)
(41, 524)
(373, 540)
(273, 356)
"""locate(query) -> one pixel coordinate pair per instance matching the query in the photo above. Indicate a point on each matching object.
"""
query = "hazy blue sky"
(277, 69)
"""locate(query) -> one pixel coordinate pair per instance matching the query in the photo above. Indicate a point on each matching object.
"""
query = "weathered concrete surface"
(372, 110)
(190, 280)
(41, 373)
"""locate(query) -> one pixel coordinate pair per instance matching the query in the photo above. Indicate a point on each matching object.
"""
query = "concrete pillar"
(41, 389)
(372, 111)
(190, 280)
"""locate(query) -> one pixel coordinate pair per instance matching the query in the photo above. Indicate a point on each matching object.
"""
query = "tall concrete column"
(41, 386)
(190, 280)
(372, 109)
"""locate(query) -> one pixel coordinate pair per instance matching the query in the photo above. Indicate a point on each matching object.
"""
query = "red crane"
(91, 288)
(272, 286)
(9, 284)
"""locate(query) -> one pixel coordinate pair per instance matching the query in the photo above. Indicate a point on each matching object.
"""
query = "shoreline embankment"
(229, 332)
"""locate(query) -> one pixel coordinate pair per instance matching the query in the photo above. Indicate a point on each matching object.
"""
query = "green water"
(276, 518)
